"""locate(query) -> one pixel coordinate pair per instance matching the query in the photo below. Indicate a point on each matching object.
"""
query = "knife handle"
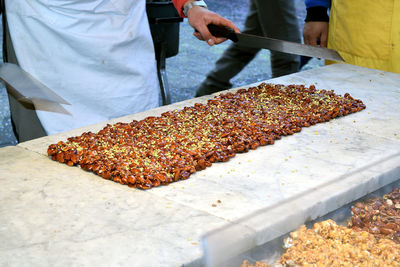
(222, 31)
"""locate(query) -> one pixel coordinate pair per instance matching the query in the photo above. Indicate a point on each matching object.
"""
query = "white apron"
(96, 54)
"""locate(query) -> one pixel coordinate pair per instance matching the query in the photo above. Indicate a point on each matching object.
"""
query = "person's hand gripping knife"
(315, 31)
(200, 17)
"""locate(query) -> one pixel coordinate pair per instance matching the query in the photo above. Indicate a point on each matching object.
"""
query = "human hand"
(199, 18)
(314, 30)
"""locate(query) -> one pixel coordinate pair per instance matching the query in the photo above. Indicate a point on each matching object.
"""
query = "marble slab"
(299, 177)
(55, 215)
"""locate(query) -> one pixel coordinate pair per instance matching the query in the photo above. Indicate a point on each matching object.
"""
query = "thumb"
(205, 34)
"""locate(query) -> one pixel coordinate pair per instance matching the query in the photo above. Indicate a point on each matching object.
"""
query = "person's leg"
(278, 20)
(26, 124)
(233, 60)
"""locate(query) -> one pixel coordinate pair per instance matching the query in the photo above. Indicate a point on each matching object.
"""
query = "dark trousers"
(26, 124)
(271, 18)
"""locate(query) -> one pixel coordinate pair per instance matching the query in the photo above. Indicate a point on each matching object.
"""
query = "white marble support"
(362, 148)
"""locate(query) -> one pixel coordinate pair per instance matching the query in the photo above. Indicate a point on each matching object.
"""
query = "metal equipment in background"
(164, 26)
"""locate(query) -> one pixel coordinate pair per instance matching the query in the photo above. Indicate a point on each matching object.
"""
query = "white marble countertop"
(53, 214)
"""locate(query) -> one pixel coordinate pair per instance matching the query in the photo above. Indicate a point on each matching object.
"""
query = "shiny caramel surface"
(160, 150)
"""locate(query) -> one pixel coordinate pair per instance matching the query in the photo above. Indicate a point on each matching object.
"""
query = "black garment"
(26, 124)
(317, 13)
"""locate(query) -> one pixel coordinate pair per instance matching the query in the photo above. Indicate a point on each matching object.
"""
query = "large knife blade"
(26, 88)
(274, 44)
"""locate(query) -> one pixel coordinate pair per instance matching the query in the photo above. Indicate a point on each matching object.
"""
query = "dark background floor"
(195, 59)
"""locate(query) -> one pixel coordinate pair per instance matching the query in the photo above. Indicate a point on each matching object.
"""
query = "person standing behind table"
(365, 33)
(96, 54)
(271, 18)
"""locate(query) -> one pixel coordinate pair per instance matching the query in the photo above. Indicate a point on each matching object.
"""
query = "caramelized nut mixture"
(379, 216)
(246, 263)
(160, 150)
(328, 244)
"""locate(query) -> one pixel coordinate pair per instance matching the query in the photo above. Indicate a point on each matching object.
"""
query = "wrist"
(317, 13)
(188, 5)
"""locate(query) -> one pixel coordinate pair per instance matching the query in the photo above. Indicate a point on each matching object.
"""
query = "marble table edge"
(268, 223)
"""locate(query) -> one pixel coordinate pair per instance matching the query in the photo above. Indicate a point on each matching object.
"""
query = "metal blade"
(288, 47)
(25, 88)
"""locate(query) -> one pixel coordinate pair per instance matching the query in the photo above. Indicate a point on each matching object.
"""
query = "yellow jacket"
(366, 32)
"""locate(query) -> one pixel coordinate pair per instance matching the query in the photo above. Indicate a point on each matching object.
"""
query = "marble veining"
(52, 214)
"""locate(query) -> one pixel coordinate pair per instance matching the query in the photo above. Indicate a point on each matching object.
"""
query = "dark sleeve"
(313, 3)
(178, 5)
(317, 13)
